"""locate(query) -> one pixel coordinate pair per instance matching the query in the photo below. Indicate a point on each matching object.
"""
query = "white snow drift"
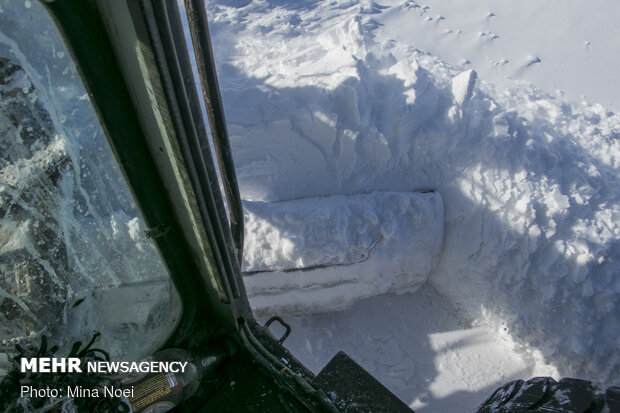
(326, 253)
(338, 99)
(321, 101)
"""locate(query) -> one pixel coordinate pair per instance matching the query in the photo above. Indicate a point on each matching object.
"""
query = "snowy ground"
(485, 105)
(350, 122)
(419, 346)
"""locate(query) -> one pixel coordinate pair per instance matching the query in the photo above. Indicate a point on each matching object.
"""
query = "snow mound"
(529, 181)
(338, 249)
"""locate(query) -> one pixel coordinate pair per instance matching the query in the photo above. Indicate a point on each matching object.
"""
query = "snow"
(328, 252)
(420, 348)
(563, 47)
(485, 103)
(467, 152)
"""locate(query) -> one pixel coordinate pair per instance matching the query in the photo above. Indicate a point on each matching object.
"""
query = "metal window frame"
(149, 111)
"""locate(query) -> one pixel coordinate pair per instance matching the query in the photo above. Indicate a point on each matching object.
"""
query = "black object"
(199, 31)
(544, 394)
(354, 390)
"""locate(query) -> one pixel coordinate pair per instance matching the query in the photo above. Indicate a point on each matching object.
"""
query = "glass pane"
(74, 257)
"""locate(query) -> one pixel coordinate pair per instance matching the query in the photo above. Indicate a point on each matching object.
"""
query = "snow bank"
(320, 104)
(326, 253)
(558, 45)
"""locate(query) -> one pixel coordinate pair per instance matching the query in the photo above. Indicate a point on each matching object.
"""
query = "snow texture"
(331, 102)
(329, 99)
(329, 252)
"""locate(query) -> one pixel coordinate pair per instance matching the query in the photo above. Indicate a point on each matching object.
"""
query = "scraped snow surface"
(483, 102)
(327, 252)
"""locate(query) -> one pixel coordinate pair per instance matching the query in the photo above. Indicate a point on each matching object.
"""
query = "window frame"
(147, 109)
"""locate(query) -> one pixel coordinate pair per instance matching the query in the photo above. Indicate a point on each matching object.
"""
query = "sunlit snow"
(466, 150)
(481, 102)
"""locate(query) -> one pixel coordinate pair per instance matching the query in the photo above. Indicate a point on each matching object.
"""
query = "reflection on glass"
(74, 257)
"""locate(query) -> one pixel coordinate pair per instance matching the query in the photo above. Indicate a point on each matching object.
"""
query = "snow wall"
(320, 107)
(329, 252)
(317, 106)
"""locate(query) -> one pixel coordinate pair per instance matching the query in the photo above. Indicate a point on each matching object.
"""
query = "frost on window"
(74, 258)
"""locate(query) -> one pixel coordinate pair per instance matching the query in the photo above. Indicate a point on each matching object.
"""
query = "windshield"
(74, 254)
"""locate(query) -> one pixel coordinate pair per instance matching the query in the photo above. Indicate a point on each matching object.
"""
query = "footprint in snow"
(372, 8)
(488, 35)
(532, 60)
(452, 34)
(499, 63)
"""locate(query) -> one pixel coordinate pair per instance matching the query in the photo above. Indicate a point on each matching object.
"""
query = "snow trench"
(326, 253)
(321, 106)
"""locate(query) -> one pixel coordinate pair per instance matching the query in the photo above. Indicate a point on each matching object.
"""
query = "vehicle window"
(74, 256)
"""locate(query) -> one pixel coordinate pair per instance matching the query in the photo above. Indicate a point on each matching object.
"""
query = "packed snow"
(485, 104)
(389, 146)
(326, 253)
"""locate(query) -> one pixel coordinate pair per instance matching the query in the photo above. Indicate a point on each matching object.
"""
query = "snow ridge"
(326, 253)
(319, 104)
